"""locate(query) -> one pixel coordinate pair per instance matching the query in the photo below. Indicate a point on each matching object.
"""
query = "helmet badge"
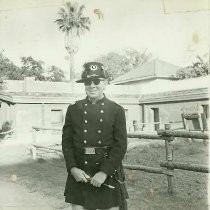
(93, 67)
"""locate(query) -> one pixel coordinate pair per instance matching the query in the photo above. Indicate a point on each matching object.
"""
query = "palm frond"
(85, 20)
(75, 6)
(71, 17)
(61, 11)
(59, 21)
(87, 28)
(68, 4)
(80, 11)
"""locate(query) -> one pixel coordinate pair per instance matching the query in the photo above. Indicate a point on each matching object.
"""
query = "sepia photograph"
(104, 105)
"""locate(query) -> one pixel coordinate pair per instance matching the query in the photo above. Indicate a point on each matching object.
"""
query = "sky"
(139, 24)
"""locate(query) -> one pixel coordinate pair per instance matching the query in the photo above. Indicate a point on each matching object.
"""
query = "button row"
(87, 163)
(101, 120)
(101, 104)
(102, 111)
(85, 142)
(99, 131)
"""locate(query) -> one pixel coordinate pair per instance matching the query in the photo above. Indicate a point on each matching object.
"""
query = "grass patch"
(146, 190)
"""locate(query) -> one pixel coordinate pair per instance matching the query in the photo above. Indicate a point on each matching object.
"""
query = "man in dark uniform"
(94, 142)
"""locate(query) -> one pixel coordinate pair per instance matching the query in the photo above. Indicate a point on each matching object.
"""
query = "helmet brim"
(85, 79)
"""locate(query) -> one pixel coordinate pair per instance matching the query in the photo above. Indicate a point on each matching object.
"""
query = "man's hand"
(98, 179)
(79, 175)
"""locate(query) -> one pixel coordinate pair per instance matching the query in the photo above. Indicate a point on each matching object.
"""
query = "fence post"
(34, 142)
(169, 158)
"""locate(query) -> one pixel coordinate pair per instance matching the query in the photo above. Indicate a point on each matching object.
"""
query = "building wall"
(29, 85)
(41, 115)
(5, 113)
(132, 113)
(170, 112)
(24, 116)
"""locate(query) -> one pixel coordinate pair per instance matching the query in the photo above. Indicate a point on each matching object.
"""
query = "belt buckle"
(90, 151)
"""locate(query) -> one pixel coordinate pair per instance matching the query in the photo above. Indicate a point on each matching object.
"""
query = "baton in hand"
(106, 185)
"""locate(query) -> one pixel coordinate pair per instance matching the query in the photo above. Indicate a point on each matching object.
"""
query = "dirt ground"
(32, 185)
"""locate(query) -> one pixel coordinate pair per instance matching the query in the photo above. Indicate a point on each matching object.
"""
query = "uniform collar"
(98, 102)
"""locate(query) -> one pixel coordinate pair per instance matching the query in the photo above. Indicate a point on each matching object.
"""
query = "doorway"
(156, 118)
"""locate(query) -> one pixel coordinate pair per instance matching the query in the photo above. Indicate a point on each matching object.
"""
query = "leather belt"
(94, 150)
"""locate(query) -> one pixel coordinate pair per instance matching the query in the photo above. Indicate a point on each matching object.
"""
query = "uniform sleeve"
(119, 147)
(67, 142)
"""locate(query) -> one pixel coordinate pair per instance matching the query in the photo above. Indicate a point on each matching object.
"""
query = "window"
(56, 116)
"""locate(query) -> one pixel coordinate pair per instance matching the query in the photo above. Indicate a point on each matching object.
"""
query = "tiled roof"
(178, 95)
(153, 69)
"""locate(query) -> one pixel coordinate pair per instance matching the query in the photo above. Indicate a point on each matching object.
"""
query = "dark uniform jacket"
(101, 126)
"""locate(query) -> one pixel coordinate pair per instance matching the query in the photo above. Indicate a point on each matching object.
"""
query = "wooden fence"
(166, 167)
(41, 147)
(5, 133)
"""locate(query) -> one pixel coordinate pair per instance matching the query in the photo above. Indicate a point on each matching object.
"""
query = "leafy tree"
(1, 84)
(197, 69)
(8, 70)
(120, 63)
(55, 74)
(32, 68)
(73, 23)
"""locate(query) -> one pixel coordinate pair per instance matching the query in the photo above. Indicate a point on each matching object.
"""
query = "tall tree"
(73, 23)
(32, 68)
(55, 74)
(8, 70)
(120, 63)
(197, 69)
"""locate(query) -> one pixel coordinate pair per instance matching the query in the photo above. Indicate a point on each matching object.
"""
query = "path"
(14, 196)
(17, 197)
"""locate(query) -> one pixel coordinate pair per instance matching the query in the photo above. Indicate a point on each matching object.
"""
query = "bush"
(6, 126)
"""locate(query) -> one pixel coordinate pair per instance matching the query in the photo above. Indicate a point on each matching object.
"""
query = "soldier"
(94, 142)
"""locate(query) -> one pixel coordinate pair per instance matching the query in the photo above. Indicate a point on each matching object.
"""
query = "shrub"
(6, 126)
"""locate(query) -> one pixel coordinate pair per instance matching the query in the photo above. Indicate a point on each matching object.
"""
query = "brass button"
(85, 112)
(85, 104)
(99, 131)
(101, 120)
(85, 131)
(85, 141)
(97, 163)
(86, 162)
(85, 121)
(102, 104)
(99, 142)
(102, 111)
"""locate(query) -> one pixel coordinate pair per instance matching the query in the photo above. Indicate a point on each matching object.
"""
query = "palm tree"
(72, 22)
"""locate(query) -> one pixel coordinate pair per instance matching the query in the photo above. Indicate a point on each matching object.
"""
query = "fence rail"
(7, 132)
(166, 167)
(186, 166)
(184, 134)
(140, 135)
(144, 168)
(46, 128)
